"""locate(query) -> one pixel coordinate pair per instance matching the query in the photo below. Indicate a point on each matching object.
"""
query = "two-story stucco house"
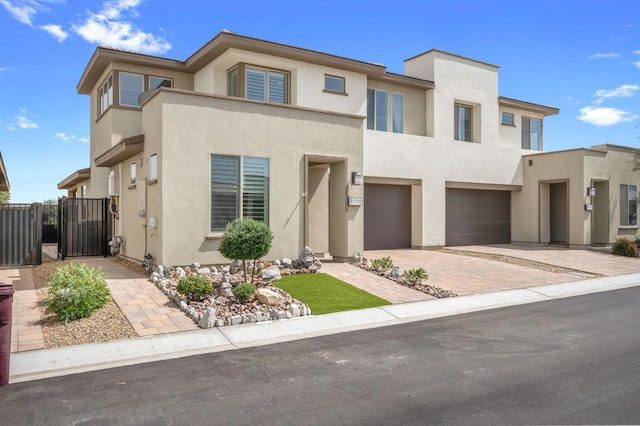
(333, 153)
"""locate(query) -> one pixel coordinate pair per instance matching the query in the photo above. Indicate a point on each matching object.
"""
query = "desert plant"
(195, 287)
(625, 247)
(244, 292)
(77, 291)
(246, 239)
(415, 276)
(383, 264)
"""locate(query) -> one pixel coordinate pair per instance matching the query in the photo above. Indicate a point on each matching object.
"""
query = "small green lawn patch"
(324, 293)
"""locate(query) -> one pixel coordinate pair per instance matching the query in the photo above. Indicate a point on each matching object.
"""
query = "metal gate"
(49, 223)
(20, 234)
(84, 226)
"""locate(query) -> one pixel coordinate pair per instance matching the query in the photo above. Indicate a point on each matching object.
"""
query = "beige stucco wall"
(192, 127)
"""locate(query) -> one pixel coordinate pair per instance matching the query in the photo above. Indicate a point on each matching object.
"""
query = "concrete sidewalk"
(37, 364)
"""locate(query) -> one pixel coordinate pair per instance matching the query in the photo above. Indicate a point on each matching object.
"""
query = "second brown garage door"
(387, 216)
(477, 217)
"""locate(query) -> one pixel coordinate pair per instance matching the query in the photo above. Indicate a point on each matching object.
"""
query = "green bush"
(77, 291)
(625, 247)
(246, 239)
(415, 276)
(195, 287)
(383, 264)
(244, 292)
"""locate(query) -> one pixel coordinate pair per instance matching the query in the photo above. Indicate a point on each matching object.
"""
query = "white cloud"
(624, 91)
(603, 56)
(22, 121)
(604, 116)
(69, 138)
(23, 11)
(3, 69)
(636, 52)
(56, 31)
(110, 27)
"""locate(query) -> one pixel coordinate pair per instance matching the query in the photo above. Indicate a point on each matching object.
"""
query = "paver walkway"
(373, 284)
(593, 261)
(469, 275)
(26, 332)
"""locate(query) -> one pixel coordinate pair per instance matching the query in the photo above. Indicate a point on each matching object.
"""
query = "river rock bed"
(221, 308)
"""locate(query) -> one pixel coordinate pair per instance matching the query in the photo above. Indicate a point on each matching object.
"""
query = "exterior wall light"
(356, 178)
(591, 191)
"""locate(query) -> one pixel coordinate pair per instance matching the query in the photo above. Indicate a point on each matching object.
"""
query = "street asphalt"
(567, 361)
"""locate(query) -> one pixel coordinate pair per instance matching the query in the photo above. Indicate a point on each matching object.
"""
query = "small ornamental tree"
(246, 239)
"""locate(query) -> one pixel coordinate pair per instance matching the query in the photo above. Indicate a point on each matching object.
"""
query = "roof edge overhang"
(405, 80)
(121, 151)
(75, 178)
(4, 178)
(528, 106)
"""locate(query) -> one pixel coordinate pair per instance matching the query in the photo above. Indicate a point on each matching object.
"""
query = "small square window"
(333, 84)
(155, 82)
(507, 119)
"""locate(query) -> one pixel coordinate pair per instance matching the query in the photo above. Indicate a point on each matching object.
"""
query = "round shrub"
(245, 239)
(625, 247)
(195, 287)
(77, 291)
(244, 292)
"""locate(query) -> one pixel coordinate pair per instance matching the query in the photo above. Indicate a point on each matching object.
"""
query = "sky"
(581, 56)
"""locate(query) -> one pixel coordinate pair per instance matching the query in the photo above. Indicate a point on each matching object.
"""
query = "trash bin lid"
(6, 289)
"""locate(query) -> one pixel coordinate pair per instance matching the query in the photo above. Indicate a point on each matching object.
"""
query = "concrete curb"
(43, 363)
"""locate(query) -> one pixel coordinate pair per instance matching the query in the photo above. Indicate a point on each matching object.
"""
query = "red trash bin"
(6, 300)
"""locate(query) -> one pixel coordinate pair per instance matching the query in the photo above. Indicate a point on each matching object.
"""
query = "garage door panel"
(387, 216)
(477, 217)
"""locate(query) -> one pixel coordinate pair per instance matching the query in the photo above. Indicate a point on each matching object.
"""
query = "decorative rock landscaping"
(394, 275)
(221, 308)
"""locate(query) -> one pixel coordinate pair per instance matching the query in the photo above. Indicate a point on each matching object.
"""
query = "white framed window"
(105, 95)
(463, 122)
(334, 84)
(239, 188)
(153, 167)
(260, 84)
(507, 119)
(155, 82)
(133, 173)
(377, 109)
(628, 205)
(397, 112)
(531, 133)
(131, 87)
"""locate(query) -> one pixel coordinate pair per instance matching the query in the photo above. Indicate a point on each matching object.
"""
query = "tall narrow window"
(133, 174)
(381, 110)
(255, 188)
(277, 87)
(232, 82)
(628, 205)
(397, 106)
(371, 108)
(225, 191)
(463, 117)
(256, 84)
(153, 167)
(531, 133)
(105, 95)
(131, 87)
(239, 188)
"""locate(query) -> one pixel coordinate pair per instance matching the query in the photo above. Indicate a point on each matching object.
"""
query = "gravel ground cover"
(106, 324)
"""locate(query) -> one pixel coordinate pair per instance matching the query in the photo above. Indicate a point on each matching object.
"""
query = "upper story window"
(153, 167)
(507, 119)
(261, 84)
(628, 205)
(131, 87)
(334, 84)
(463, 122)
(378, 111)
(133, 174)
(155, 82)
(105, 95)
(531, 133)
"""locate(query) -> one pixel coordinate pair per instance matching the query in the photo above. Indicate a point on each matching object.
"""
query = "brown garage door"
(477, 217)
(387, 216)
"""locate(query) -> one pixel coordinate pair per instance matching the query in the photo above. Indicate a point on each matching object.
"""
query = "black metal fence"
(84, 226)
(20, 234)
(49, 223)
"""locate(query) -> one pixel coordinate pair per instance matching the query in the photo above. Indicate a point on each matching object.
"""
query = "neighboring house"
(76, 183)
(4, 179)
(330, 152)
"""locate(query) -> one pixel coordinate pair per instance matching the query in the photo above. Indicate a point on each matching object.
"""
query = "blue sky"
(581, 56)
